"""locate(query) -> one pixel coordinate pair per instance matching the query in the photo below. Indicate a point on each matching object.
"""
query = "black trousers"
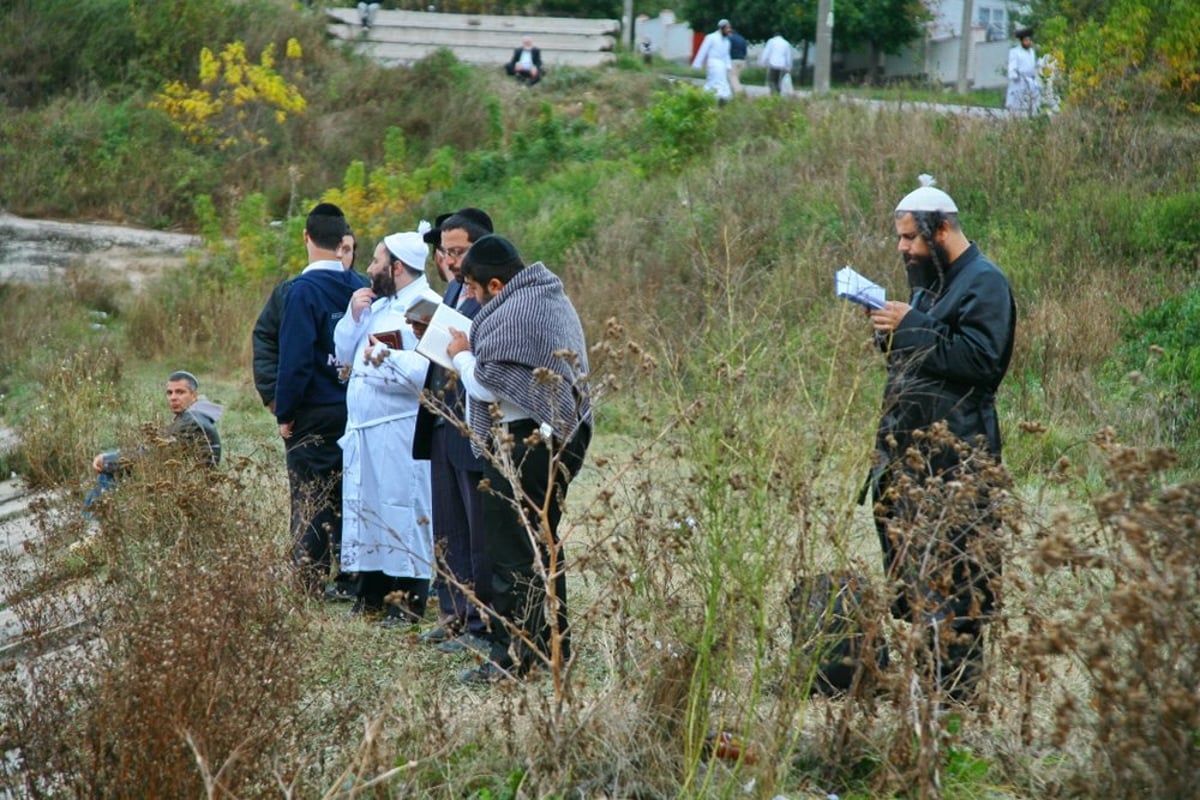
(946, 585)
(516, 542)
(459, 536)
(314, 462)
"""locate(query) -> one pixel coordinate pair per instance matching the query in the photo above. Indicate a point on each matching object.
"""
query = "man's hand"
(887, 319)
(360, 301)
(285, 430)
(98, 463)
(458, 343)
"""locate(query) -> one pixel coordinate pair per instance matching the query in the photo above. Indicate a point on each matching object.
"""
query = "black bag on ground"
(832, 627)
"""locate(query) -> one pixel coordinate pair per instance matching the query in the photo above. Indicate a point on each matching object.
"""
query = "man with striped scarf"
(525, 372)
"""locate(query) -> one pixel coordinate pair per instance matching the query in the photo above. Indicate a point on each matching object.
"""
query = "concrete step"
(442, 37)
(517, 26)
(402, 37)
(397, 54)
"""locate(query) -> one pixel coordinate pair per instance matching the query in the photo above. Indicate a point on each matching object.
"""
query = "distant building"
(996, 18)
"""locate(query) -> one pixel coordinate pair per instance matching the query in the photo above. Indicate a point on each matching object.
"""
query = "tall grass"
(735, 403)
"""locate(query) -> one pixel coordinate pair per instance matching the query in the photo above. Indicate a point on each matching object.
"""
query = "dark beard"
(925, 272)
(383, 284)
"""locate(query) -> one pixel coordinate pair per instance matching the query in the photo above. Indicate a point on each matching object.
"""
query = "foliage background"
(735, 401)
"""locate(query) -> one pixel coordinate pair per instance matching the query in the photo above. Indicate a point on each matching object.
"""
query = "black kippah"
(492, 251)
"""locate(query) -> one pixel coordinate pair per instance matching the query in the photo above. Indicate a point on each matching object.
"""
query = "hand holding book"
(849, 285)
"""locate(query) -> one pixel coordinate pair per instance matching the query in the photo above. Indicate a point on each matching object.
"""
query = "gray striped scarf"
(515, 338)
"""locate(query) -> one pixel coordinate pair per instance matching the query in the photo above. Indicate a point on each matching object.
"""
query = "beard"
(383, 284)
(925, 272)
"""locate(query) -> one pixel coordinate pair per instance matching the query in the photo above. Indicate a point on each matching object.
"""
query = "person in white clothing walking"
(776, 56)
(713, 58)
(1024, 96)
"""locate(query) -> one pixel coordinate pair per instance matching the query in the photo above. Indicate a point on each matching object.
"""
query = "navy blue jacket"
(737, 47)
(308, 369)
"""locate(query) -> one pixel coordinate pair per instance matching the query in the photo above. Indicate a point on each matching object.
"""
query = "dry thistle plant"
(186, 677)
(1128, 631)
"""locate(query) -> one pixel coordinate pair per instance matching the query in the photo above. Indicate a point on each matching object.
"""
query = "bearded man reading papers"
(387, 534)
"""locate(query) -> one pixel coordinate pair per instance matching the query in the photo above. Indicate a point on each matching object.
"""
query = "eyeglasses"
(453, 252)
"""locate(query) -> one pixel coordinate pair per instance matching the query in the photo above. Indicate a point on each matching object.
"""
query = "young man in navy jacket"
(310, 398)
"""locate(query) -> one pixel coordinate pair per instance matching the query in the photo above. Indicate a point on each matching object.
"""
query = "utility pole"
(628, 37)
(824, 63)
(965, 43)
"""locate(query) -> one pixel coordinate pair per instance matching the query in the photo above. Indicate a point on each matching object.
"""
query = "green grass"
(736, 401)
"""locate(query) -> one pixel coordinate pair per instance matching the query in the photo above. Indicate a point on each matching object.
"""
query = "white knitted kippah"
(927, 198)
(409, 247)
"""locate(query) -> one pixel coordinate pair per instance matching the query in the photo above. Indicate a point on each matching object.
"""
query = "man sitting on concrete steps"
(526, 63)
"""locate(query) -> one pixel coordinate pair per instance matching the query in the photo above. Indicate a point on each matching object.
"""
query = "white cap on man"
(927, 198)
(409, 247)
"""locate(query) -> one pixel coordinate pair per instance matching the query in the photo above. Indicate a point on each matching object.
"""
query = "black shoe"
(488, 674)
(467, 643)
(362, 608)
(437, 635)
(338, 593)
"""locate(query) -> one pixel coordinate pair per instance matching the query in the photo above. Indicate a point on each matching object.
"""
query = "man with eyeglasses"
(463, 575)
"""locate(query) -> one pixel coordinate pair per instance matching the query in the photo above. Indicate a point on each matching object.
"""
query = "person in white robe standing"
(387, 531)
(1024, 95)
(713, 58)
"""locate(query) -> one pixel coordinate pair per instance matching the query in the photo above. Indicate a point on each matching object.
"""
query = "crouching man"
(194, 428)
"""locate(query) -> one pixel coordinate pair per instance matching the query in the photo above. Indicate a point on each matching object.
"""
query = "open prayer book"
(437, 336)
(849, 285)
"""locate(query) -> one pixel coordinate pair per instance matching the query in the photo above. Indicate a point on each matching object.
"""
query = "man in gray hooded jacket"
(194, 428)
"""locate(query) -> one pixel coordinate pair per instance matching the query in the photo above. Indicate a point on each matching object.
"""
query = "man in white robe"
(713, 58)
(387, 531)
(1024, 94)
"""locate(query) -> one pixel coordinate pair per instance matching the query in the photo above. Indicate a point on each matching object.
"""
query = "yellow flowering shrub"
(1133, 53)
(237, 102)
(376, 200)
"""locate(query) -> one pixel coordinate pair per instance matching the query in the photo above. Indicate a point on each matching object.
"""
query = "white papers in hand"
(849, 285)
(437, 336)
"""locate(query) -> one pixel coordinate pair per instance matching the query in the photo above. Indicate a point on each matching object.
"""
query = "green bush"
(1169, 226)
(1164, 340)
(73, 157)
(681, 124)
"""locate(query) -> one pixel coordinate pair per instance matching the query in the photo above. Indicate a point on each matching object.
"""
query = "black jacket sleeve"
(265, 341)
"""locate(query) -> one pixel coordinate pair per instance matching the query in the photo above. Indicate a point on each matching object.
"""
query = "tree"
(757, 20)
(879, 26)
(1123, 54)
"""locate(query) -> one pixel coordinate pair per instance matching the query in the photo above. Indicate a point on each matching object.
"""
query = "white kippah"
(927, 198)
(409, 247)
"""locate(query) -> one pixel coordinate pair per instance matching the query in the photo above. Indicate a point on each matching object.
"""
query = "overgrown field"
(736, 402)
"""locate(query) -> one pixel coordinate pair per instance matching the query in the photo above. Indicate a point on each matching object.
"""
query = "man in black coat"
(463, 567)
(526, 63)
(947, 351)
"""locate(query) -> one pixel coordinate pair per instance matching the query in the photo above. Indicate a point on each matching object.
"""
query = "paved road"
(756, 91)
